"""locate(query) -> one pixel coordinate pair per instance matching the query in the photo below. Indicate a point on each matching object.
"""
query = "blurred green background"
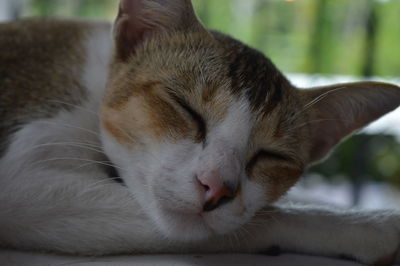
(357, 37)
(330, 37)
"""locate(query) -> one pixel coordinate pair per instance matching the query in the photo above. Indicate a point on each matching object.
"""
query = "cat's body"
(36, 49)
(204, 132)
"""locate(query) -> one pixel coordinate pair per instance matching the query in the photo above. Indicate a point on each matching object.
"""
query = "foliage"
(306, 36)
(364, 157)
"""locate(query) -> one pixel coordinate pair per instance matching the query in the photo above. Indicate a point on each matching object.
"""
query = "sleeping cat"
(170, 138)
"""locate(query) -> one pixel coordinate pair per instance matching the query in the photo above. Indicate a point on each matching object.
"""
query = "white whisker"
(75, 106)
(321, 97)
(319, 120)
(72, 144)
(101, 183)
(78, 159)
(71, 126)
(315, 101)
(125, 133)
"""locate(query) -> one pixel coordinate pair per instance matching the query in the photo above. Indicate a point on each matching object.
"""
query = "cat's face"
(185, 109)
(204, 130)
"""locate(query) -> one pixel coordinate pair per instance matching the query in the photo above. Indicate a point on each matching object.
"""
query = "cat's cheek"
(129, 125)
(148, 111)
(253, 196)
(276, 180)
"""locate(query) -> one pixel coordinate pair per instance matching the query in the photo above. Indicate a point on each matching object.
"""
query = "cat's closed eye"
(265, 154)
(196, 117)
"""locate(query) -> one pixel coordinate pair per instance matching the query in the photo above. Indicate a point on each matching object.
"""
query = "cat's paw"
(380, 241)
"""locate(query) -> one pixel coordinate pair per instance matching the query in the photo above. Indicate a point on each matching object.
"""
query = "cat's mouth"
(185, 225)
(195, 224)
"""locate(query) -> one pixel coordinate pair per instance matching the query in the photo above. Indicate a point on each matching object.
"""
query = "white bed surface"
(14, 258)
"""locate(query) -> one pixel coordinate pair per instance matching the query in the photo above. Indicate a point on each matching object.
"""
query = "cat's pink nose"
(217, 192)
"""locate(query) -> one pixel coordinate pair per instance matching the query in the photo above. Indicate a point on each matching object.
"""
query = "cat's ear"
(338, 110)
(140, 19)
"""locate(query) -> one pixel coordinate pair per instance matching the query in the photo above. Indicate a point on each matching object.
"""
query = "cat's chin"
(183, 226)
(191, 226)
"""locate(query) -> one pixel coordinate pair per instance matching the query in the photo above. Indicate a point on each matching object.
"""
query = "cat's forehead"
(221, 65)
(187, 86)
(253, 75)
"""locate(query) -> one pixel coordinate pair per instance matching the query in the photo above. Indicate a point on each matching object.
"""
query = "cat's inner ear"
(338, 110)
(141, 19)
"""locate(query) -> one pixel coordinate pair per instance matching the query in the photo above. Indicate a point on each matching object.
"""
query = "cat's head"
(206, 131)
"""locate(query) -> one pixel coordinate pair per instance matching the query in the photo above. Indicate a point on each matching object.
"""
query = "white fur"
(55, 194)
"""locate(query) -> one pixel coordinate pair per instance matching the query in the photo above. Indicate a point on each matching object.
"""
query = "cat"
(167, 137)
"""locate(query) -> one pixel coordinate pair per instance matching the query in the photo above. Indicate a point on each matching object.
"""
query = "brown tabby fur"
(39, 67)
